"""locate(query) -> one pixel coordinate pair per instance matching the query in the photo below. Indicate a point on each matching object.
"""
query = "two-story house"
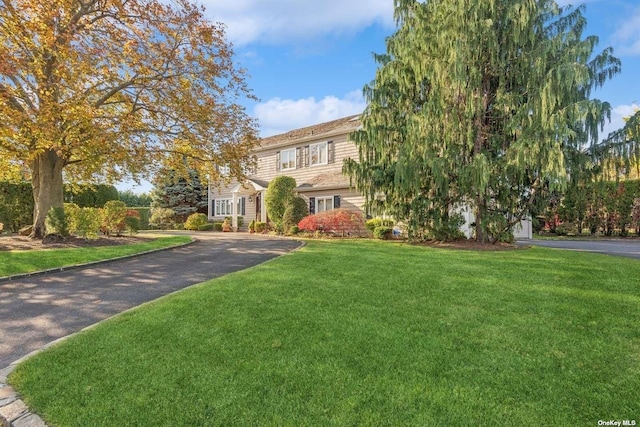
(313, 156)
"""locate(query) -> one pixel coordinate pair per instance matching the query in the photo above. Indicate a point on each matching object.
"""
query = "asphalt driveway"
(37, 310)
(626, 248)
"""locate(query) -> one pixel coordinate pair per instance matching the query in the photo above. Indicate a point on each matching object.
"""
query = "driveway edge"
(5, 279)
(13, 411)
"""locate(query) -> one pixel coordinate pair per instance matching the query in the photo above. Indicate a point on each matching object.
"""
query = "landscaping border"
(4, 279)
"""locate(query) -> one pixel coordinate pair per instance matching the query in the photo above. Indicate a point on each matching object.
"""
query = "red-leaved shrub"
(340, 222)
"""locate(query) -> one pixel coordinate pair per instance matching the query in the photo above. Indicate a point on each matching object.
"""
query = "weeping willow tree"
(619, 154)
(475, 104)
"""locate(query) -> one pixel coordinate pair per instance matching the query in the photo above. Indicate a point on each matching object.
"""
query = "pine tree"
(475, 103)
(184, 195)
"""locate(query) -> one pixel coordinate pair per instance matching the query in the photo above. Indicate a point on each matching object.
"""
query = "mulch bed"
(472, 245)
(14, 242)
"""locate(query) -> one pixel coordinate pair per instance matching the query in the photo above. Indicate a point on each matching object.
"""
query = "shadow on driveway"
(37, 310)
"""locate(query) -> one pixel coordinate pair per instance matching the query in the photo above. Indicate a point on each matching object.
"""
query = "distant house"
(313, 156)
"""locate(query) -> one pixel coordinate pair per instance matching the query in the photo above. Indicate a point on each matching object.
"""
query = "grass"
(363, 333)
(17, 262)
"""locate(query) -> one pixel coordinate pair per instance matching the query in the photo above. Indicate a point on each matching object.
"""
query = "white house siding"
(267, 165)
(225, 192)
(350, 199)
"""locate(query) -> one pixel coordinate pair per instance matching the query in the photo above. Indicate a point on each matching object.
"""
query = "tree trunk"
(479, 214)
(46, 179)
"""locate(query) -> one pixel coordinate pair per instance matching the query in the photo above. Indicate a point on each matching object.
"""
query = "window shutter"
(331, 157)
(336, 202)
(213, 207)
(299, 157)
(312, 205)
(278, 161)
(306, 156)
(242, 206)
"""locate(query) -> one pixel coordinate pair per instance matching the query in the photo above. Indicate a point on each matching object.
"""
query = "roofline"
(309, 138)
(323, 188)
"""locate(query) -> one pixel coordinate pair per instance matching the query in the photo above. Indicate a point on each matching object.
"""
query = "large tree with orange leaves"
(94, 90)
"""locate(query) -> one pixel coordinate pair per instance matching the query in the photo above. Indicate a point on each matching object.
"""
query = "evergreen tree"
(132, 199)
(183, 194)
(476, 103)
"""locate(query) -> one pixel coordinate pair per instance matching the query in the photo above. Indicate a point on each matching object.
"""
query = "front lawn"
(363, 333)
(17, 262)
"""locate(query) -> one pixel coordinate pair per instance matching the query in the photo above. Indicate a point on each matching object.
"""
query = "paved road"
(37, 310)
(626, 248)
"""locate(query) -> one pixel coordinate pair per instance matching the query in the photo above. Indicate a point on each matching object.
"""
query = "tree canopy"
(101, 89)
(476, 103)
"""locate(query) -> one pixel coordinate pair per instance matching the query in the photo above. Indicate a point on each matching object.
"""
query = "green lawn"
(363, 333)
(17, 262)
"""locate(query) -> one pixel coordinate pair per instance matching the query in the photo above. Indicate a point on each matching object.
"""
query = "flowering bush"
(340, 222)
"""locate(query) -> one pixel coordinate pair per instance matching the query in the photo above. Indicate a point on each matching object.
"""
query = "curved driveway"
(626, 248)
(39, 309)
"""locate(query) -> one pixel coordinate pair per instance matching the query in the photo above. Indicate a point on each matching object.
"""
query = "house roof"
(326, 180)
(319, 131)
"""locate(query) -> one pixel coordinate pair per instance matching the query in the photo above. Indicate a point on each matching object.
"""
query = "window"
(223, 170)
(324, 204)
(288, 159)
(223, 207)
(318, 153)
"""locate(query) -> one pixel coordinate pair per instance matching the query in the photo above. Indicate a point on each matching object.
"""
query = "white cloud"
(282, 115)
(627, 37)
(275, 21)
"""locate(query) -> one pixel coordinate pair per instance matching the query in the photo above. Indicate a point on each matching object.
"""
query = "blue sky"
(308, 61)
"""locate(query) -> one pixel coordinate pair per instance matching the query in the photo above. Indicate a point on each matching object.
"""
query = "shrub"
(635, 215)
(260, 226)
(252, 225)
(382, 232)
(56, 222)
(206, 227)
(378, 222)
(217, 226)
(294, 229)
(83, 222)
(144, 214)
(566, 229)
(279, 194)
(16, 205)
(113, 215)
(195, 221)
(295, 211)
(162, 218)
(132, 221)
(310, 223)
(338, 222)
(87, 222)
